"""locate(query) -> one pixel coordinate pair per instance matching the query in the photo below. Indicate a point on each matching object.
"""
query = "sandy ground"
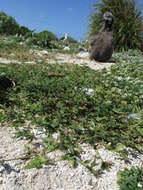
(49, 58)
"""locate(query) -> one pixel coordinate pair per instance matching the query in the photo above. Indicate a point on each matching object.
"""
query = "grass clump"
(131, 179)
(10, 48)
(37, 162)
(58, 98)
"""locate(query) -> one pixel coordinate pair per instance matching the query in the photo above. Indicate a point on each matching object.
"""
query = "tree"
(24, 31)
(8, 24)
(44, 39)
(128, 22)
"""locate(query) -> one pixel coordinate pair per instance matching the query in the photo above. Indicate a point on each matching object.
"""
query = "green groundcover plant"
(131, 179)
(81, 105)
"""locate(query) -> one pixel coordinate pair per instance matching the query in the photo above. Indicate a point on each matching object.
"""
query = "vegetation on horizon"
(43, 39)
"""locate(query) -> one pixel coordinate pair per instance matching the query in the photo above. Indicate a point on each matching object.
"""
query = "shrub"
(131, 179)
(24, 31)
(8, 24)
(44, 39)
(8, 43)
(127, 26)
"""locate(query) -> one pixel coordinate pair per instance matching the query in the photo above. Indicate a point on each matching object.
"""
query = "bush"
(8, 43)
(127, 28)
(8, 25)
(24, 31)
(131, 179)
(44, 39)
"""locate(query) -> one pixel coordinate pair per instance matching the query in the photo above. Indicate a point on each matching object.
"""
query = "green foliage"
(6, 43)
(24, 31)
(131, 179)
(44, 39)
(10, 48)
(25, 133)
(127, 27)
(37, 162)
(58, 98)
(8, 25)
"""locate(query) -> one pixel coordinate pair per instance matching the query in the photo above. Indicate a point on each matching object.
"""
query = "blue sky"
(58, 16)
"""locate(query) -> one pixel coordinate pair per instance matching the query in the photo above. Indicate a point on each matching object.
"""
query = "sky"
(58, 16)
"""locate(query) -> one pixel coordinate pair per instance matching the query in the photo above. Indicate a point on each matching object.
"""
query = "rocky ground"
(60, 175)
(52, 58)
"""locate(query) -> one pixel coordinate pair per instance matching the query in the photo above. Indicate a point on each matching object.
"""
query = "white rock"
(135, 116)
(66, 48)
(39, 54)
(56, 136)
(31, 51)
(139, 185)
(12, 54)
(83, 54)
(12, 175)
(89, 91)
(2, 169)
(21, 43)
(44, 52)
(4, 61)
(30, 62)
(1, 180)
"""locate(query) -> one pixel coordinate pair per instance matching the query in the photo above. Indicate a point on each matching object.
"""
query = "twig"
(17, 158)
(56, 75)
